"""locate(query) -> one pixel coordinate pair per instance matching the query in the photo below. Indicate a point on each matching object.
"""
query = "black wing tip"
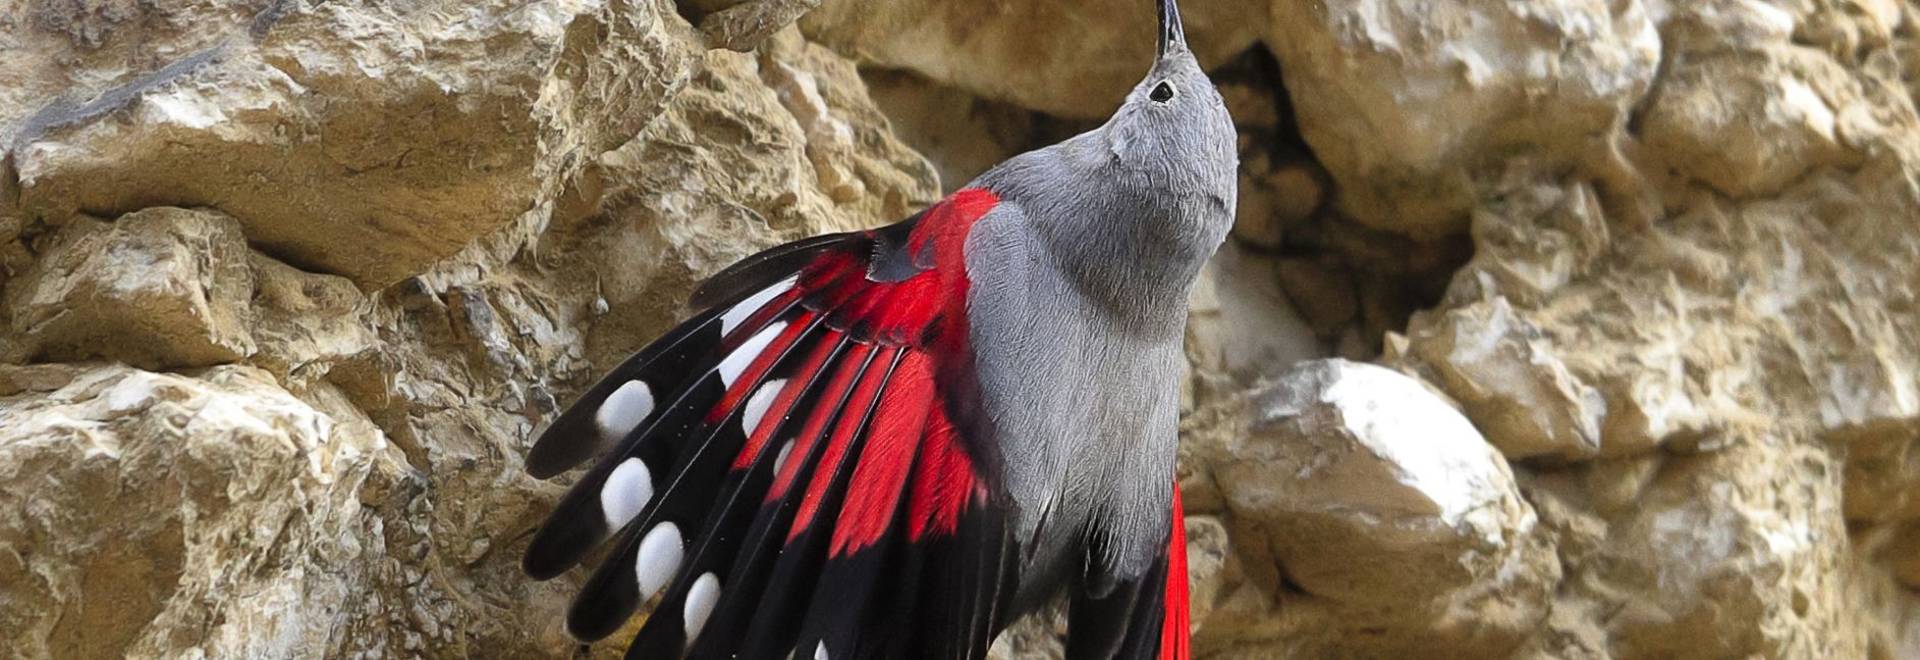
(546, 464)
(590, 625)
(570, 439)
(558, 546)
(541, 571)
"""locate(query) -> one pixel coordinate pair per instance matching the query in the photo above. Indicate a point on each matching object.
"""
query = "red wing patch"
(804, 441)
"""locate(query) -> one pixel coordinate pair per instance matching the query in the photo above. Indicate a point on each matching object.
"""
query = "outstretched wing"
(786, 468)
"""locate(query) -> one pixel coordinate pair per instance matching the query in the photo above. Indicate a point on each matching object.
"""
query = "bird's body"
(1080, 361)
(892, 443)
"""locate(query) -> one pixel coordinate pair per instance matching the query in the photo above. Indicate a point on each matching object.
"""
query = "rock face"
(1625, 292)
(317, 128)
(142, 505)
(160, 287)
(1364, 501)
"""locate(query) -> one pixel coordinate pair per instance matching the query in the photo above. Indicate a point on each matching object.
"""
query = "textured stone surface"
(1367, 502)
(1402, 101)
(165, 514)
(158, 287)
(1072, 59)
(338, 124)
(287, 285)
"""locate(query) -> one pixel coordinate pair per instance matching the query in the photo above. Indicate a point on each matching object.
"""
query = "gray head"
(1173, 126)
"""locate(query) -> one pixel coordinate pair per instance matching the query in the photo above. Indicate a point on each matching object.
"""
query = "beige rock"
(744, 25)
(162, 287)
(961, 133)
(1382, 504)
(350, 139)
(304, 322)
(1073, 59)
(1536, 236)
(1732, 553)
(164, 515)
(1241, 320)
(1525, 400)
(1274, 198)
(1401, 101)
(1882, 479)
(1322, 290)
(1790, 127)
(1902, 555)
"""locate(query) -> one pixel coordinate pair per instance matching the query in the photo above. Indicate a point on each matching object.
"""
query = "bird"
(895, 442)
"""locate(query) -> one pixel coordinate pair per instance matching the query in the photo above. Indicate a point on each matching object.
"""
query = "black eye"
(1162, 92)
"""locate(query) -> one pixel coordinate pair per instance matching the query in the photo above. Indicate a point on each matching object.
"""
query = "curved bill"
(1172, 35)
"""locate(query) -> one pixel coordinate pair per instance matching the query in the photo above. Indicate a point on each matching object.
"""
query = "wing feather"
(807, 455)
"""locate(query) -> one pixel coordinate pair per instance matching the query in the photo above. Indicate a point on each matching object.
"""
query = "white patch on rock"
(1369, 477)
(1437, 462)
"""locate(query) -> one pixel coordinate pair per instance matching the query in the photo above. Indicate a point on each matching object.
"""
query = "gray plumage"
(1078, 307)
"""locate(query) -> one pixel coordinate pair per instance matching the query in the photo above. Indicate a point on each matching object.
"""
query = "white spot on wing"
(820, 652)
(626, 492)
(738, 360)
(701, 598)
(659, 557)
(780, 460)
(758, 403)
(624, 409)
(739, 313)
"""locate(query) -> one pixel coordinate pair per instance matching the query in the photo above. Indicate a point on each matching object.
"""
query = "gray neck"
(1130, 243)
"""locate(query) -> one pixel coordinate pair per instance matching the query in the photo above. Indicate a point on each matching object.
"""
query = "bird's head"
(1173, 127)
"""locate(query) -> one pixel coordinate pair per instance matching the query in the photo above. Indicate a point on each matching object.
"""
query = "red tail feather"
(1174, 635)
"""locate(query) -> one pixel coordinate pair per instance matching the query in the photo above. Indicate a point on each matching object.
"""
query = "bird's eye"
(1162, 92)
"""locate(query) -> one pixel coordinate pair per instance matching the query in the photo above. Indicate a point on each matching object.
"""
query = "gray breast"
(1085, 415)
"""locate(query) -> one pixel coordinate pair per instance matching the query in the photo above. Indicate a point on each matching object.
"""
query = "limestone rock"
(347, 138)
(161, 287)
(962, 133)
(305, 323)
(1525, 400)
(1730, 553)
(1401, 101)
(1384, 507)
(1274, 198)
(743, 26)
(1072, 59)
(1793, 126)
(166, 515)
(1241, 320)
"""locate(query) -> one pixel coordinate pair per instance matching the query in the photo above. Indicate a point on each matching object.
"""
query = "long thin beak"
(1173, 36)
